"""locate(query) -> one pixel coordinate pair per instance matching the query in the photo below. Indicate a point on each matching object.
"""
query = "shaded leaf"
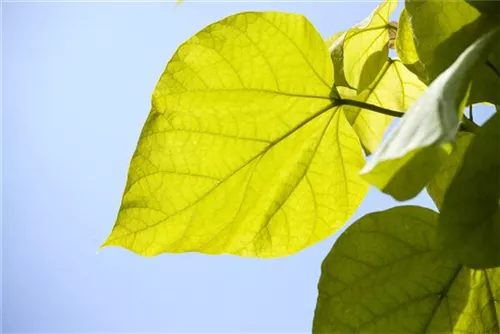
(243, 151)
(395, 88)
(469, 225)
(361, 52)
(442, 30)
(441, 181)
(413, 152)
(489, 7)
(384, 275)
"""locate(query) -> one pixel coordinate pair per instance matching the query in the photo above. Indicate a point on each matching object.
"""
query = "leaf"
(488, 7)
(441, 181)
(394, 88)
(442, 30)
(469, 225)
(405, 47)
(330, 41)
(384, 275)
(336, 50)
(414, 151)
(243, 152)
(361, 52)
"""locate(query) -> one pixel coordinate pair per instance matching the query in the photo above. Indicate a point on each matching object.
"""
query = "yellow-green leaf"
(243, 152)
(441, 181)
(361, 52)
(395, 88)
(330, 41)
(386, 275)
(336, 51)
(414, 151)
(442, 30)
(469, 224)
(405, 47)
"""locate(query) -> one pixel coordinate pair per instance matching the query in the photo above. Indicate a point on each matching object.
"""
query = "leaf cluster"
(263, 139)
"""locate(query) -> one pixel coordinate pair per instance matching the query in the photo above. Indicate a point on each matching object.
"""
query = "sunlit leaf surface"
(243, 152)
(361, 52)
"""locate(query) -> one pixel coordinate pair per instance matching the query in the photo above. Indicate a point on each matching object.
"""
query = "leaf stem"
(493, 68)
(380, 110)
(468, 125)
(471, 114)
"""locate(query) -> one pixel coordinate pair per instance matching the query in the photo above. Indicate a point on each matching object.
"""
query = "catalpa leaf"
(385, 275)
(442, 30)
(439, 184)
(413, 152)
(469, 224)
(361, 52)
(243, 152)
(394, 88)
(405, 47)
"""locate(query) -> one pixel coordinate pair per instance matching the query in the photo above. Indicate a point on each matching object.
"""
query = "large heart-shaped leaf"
(385, 275)
(361, 52)
(411, 155)
(442, 30)
(395, 88)
(469, 224)
(243, 152)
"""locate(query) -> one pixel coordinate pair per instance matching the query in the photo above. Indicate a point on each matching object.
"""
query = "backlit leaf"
(469, 224)
(405, 47)
(394, 88)
(385, 275)
(442, 31)
(362, 51)
(243, 152)
(336, 51)
(414, 151)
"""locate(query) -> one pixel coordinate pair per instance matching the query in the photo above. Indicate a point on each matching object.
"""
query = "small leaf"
(336, 51)
(442, 30)
(469, 225)
(394, 88)
(243, 152)
(361, 52)
(411, 155)
(441, 181)
(385, 275)
(405, 47)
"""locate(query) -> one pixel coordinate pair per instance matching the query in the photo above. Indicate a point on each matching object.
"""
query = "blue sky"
(77, 80)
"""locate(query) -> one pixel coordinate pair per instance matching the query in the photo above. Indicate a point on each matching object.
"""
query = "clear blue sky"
(77, 80)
